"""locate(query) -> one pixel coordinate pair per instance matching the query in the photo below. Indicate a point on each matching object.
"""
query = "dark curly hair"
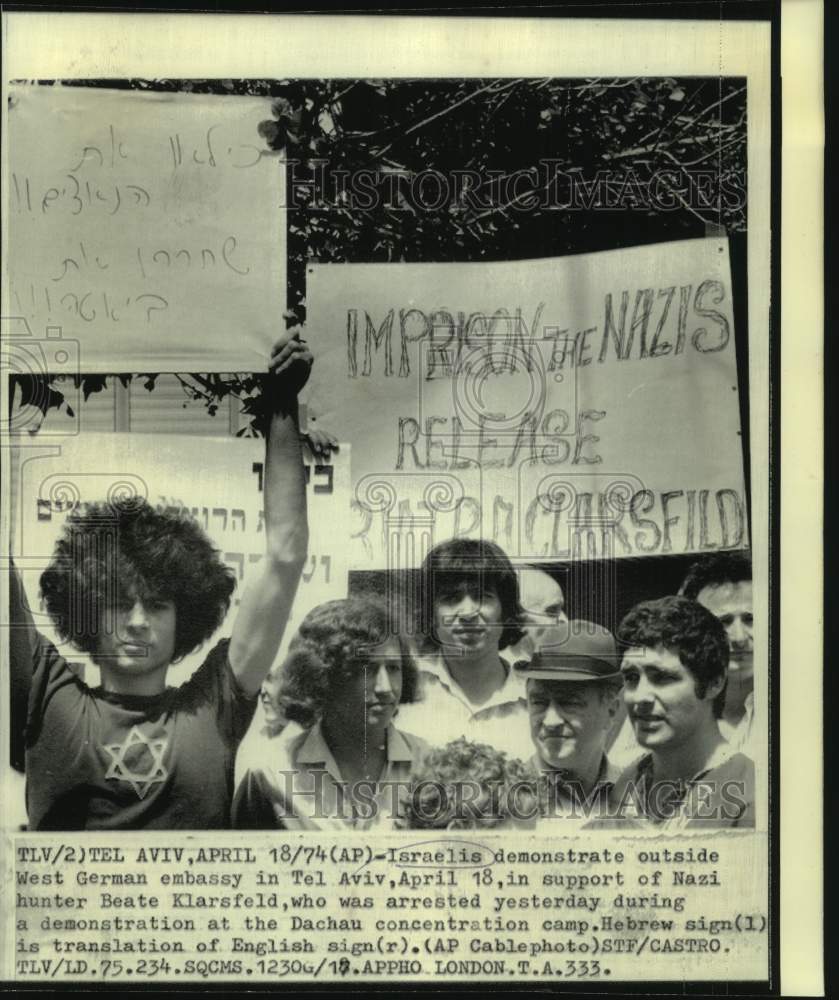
(686, 628)
(466, 784)
(715, 570)
(334, 640)
(468, 566)
(111, 554)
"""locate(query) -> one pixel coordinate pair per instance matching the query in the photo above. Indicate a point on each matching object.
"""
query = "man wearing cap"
(573, 683)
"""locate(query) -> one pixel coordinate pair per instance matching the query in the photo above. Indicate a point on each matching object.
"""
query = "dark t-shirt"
(721, 797)
(96, 760)
(102, 761)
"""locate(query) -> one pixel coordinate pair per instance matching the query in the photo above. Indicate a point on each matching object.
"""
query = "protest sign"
(567, 408)
(146, 226)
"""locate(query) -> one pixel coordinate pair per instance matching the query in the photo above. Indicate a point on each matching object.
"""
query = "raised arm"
(23, 643)
(267, 601)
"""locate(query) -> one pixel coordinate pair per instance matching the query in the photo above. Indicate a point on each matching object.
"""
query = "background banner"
(568, 408)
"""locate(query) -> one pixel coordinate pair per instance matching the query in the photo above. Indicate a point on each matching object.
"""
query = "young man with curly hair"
(722, 583)
(138, 590)
(340, 762)
(468, 611)
(674, 670)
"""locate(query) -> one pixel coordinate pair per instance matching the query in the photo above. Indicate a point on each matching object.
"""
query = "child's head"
(466, 785)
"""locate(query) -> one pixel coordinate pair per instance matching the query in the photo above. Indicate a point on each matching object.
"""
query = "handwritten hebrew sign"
(147, 226)
(220, 481)
(572, 408)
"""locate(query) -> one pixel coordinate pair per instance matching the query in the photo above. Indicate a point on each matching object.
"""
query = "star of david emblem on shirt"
(127, 757)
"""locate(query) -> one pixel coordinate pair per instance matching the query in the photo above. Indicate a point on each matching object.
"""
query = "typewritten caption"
(373, 908)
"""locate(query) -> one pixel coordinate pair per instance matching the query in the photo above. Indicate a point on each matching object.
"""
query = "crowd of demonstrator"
(502, 712)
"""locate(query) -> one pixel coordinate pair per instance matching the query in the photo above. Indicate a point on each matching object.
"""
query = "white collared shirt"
(738, 735)
(292, 781)
(444, 713)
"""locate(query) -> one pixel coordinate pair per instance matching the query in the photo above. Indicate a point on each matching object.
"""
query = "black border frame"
(711, 10)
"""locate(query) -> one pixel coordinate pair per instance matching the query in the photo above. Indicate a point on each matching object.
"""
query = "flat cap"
(574, 651)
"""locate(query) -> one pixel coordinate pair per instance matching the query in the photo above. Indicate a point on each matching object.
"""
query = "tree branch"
(489, 88)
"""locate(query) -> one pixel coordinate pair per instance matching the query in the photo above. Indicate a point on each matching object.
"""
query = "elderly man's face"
(732, 604)
(569, 721)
